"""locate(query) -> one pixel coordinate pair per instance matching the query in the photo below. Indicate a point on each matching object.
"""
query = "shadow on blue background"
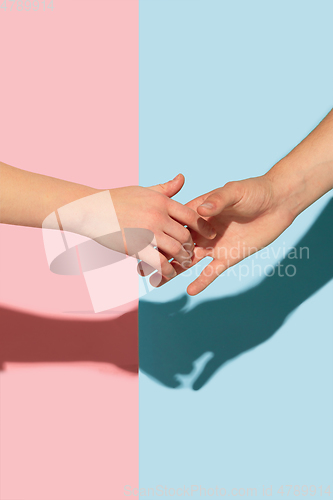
(174, 341)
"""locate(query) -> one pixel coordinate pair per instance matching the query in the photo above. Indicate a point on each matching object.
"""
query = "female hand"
(159, 223)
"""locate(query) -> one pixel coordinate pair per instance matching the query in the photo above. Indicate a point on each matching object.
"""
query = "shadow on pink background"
(69, 384)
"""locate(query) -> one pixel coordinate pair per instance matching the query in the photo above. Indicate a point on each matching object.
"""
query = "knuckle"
(233, 186)
(156, 217)
(162, 187)
(176, 248)
(191, 215)
(170, 204)
(186, 237)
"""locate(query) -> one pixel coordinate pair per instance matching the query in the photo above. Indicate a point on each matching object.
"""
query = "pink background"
(69, 384)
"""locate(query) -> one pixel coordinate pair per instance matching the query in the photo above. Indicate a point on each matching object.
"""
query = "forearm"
(27, 198)
(306, 173)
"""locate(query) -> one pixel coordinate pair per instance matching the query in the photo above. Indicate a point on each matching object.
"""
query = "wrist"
(93, 215)
(72, 209)
(290, 188)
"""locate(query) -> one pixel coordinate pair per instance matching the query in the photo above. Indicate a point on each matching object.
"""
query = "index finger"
(190, 218)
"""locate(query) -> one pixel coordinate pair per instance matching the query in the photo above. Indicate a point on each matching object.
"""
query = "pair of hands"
(226, 224)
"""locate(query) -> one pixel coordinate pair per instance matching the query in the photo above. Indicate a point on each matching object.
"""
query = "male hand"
(247, 216)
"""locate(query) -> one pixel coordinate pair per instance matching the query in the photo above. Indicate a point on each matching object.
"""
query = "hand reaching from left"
(153, 209)
(138, 218)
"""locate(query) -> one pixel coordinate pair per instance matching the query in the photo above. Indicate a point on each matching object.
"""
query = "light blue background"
(226, 90)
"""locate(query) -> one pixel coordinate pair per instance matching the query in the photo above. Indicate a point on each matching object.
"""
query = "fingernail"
(207, 205)
(212, 234)
(172, 275)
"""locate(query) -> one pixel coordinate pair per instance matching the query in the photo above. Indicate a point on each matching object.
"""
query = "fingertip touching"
(206, 229)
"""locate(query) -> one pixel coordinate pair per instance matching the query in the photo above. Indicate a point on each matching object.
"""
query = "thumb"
(170, 188)
(220, 199)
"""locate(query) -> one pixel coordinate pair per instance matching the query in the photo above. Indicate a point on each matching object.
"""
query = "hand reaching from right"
(250, 214)
(246, 215)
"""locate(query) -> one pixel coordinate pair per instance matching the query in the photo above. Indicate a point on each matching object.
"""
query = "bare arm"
(26, 199)
(250, 214)
(306, 173)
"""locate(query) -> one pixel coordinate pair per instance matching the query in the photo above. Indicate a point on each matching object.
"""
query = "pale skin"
(27, 198)
(250, 214)
(246, 215)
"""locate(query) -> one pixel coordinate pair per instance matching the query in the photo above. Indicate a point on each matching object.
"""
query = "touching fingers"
(155, 260)
(190, 218)
(177, 250)
(157, 280)
(179, 233)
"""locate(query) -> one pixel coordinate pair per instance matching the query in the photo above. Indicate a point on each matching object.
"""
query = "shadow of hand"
(180, 347)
